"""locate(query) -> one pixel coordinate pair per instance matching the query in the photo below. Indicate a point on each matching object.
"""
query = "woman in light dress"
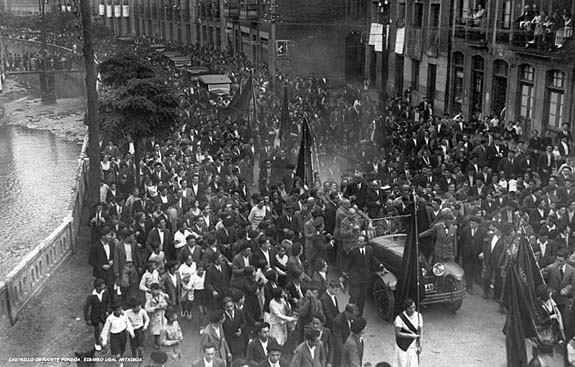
(279, 317)
(408, 331)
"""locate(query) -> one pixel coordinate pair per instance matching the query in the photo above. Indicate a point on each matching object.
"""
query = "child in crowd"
(159, 257)
(96, 309)
(149, 277)
(155, 307)
(197, 294)
(140, 321)
(117, 327)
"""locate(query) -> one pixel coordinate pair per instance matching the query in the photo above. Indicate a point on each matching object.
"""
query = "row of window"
(554, 89)
(415, 17)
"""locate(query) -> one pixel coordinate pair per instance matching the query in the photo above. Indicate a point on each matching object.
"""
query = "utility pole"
(92, 114)
(46, 79)
(272, 48)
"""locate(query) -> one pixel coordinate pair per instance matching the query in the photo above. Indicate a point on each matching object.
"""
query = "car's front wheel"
(453, 285)
(384, 299)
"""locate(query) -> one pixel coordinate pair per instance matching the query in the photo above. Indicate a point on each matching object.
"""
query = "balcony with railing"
(231, 9)
(473, 32)
(249, 10)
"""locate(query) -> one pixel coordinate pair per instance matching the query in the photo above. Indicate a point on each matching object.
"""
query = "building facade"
(513, 63)
(416, 49)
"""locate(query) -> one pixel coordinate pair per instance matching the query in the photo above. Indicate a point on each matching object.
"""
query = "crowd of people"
(55, 59)
(221, 231)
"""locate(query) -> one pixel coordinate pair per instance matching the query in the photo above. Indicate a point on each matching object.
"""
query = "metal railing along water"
(27, 279)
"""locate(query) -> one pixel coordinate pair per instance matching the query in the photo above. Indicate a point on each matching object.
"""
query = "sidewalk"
(52, 325)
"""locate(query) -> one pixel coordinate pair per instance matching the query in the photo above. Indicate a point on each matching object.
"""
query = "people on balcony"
(478, 19)
(544, 32)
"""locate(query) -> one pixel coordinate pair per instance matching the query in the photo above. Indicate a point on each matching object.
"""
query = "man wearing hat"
(101, 259)
(493, 249)
(352, 355)
(471, 240)
(160, 174)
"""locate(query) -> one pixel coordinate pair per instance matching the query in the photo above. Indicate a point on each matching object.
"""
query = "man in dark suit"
(508, 164)
(171, 284)
(352, 354)
(126, 261)
(471, 245)
(101, 259)
(160, 175)
(545, 250)
(217, 281)
(98, 221)
(546, 164)
(341, 329)
(234, 323)
(375, 198)
(492, 252)
(264, 254)
(357, 191)
(159, 234)
(329, 303)
(561, 280)
(326, 336)
(258, 348)
(360, 265)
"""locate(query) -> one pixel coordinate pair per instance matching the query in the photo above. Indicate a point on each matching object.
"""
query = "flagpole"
(254, 103)
(418, 269)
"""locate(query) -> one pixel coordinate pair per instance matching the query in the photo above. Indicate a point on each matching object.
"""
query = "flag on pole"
(514, 328)
(284, 128)
(304, 166)
(240, 105)
(409, 285)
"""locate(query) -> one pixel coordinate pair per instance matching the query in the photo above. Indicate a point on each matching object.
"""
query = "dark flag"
(536, 322)
(409, 286)
(517, 318)
(304, 168)
(240, 105)
(284, 128)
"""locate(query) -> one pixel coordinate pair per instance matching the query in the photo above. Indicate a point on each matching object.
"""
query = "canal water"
(37, 171)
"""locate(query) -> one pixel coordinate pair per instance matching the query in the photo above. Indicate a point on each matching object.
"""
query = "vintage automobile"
(443, 281)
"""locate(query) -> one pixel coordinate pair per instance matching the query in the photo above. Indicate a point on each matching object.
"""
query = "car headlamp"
(438, 269)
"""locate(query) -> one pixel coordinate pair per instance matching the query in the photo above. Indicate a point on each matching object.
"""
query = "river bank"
(22, 106)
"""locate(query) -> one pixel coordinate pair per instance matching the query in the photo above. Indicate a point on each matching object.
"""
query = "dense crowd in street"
(222, 231)
(222, 236)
